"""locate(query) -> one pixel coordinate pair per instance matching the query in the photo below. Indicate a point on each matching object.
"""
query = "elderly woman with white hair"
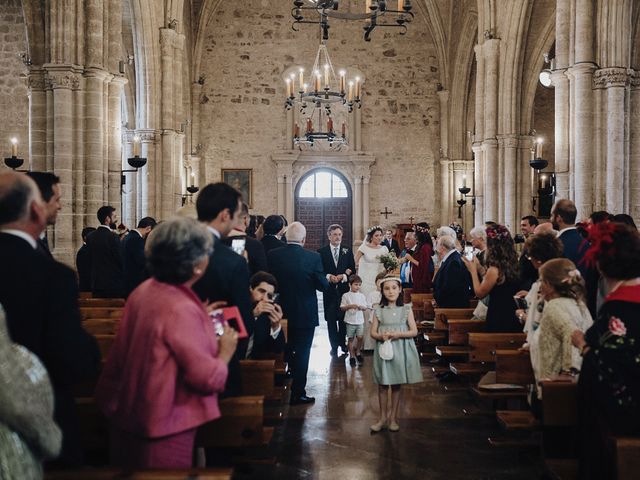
(167, 366)
(478, 237)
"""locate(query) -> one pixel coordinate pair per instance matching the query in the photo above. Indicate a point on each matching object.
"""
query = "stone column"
(365, 202)
(561, 132)
(478, 185)
(37, 120)
(164, 189)
(95, 184)
(490, 144)
(634, 149)
(147, 203)
(62, 79)
(446, 195)
(615, 81)
(443, 96)
(510, 145)
(114, 142)
(357, 207)
(582, 74)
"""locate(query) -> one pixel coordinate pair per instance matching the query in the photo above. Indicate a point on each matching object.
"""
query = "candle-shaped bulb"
(350, 96)
(289, 89)
(344, 130)
(309, 125)
(14, 147)
(304, 87)
(296, 131)
(301, 74)
(357, 88)
(400, 5)
(539, 143)
(136, 146)
(317, 81)
(464, 180)
(330, 125)
(343, 80)
(326, 75)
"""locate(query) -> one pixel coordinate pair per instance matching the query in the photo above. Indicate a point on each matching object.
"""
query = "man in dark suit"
(40, 298)
(254, 250)
(268, 337)
(49, 186)
(273, 228)
(452, 283)
(391, 243)
(135, 268)
(83, 261)
(299, 274)
(338, 263)
(227, 276)
(563, 217)
(528, 274)
(107, 276)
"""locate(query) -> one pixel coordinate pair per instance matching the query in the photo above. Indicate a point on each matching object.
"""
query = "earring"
(197, 271)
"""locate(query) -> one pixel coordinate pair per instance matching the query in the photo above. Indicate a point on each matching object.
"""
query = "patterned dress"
(404, 367)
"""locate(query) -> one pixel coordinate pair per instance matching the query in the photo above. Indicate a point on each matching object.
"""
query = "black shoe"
(352, 362)
(360, 359)
(301, 400)
(334, 353)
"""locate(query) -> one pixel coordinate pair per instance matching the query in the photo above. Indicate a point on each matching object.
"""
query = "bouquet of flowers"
(389, 261)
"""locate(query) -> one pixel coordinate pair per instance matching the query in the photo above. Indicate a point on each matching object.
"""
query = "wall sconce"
(545, 182)
(464, 194)
(136, 162)
(13, 162)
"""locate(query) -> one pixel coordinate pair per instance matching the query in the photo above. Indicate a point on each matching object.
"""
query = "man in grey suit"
(299, 274)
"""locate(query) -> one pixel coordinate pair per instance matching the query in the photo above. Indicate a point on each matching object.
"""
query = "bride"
(369, 265)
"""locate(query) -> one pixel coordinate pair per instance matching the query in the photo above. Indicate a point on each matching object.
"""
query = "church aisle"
(331, 438)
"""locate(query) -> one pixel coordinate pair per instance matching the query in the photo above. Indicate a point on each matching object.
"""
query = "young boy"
(354, 303)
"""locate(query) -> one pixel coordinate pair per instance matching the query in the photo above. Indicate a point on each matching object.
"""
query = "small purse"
(386, 350)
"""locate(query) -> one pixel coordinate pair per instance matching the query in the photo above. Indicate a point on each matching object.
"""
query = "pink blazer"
(162, 375)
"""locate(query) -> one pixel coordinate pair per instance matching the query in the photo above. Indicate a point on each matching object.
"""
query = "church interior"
(361, 113)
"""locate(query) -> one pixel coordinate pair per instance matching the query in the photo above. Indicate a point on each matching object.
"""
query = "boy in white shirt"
(353, 303)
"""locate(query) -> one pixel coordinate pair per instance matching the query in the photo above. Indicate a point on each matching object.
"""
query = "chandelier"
(376, 13)
(321, 96)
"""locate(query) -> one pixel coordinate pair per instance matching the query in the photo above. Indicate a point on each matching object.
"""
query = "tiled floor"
(437, 440)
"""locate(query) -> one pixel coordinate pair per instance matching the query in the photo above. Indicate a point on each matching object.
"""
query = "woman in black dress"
(501, 280)
(609, 385)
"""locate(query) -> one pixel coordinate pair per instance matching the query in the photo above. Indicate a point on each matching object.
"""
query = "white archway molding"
(292, 166)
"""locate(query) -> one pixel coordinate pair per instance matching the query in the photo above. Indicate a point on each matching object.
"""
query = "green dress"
(404, 367)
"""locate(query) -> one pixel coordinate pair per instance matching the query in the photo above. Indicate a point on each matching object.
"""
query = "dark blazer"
(269, 242)
(40, 297)
(528, 273)
(227, 278)
(135, 269)
(299, 274)
(452, 284)
(392, 246)
(107, 276)
(575, 246)
(257, 255)
(83, 266)
(346, 262)
(263, 343)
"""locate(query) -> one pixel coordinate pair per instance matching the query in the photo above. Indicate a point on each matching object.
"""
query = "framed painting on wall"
(240, 179)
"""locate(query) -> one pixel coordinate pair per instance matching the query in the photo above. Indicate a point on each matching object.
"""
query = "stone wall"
(14, 103)
(544, 122)
(248, 46)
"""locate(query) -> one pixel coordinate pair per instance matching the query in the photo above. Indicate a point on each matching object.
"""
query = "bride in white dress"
(369, 265)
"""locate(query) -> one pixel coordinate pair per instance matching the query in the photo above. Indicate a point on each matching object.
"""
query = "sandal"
(376, 427)
(394, 427)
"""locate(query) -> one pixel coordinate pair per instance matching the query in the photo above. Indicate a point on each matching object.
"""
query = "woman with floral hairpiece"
(368, 265)
(501, 280)
(609, 386)
(563, 290)
(422, 261)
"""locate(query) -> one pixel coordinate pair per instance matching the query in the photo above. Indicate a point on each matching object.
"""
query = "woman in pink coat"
(166, 367)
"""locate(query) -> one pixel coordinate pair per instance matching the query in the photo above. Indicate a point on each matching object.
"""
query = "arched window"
(323, 185)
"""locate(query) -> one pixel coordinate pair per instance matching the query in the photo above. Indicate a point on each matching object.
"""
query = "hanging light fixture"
(376, 13)
(323, 98)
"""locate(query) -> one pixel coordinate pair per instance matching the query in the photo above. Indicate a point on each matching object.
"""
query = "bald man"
(546, 227)
(40, 297)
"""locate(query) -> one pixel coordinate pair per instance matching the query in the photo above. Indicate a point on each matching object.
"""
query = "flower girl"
(395, 359)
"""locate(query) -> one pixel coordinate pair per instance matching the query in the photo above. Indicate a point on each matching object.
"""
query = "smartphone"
(238, 244)
(228, 316)
(468, 253)
(521, 303)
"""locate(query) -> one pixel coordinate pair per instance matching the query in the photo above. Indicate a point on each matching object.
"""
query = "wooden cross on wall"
(411, 220)
(386, 213)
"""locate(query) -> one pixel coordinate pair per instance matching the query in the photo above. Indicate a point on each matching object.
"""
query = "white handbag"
(386, 350)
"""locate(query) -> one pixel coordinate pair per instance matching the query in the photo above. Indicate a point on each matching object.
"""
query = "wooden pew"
(85, 295)
(417, 301)
(459, 330)
(113, 474)
(514, 366)
(442, 315)
(101, 302)
(241, 425)
(406, 294)
(105, 342)
(101, 326)
(258, 378)
(101, 312)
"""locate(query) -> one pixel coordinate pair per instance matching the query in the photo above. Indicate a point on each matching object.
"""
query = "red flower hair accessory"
(498, 232)
(601, 240)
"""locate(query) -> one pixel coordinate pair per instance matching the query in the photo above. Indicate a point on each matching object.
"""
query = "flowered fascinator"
(601, 240)
(498, 232)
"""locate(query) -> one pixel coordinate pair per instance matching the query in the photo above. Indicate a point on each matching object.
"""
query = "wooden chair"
(113, 474)
(101, 312)
(241, 425)
(101, 302)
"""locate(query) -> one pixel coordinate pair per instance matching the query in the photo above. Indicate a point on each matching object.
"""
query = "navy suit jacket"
(575, 247)
(106, 261)
(346, 261)
(135, 270)
(264, 345)
(269, 242)
(452, 285)
(299, 273)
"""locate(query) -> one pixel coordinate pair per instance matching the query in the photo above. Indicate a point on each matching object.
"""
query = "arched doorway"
(322, 198)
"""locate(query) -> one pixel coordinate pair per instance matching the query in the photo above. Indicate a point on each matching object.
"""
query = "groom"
(338, 264)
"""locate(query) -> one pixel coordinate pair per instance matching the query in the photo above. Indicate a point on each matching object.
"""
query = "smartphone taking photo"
(238, 245)
(468, 253)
